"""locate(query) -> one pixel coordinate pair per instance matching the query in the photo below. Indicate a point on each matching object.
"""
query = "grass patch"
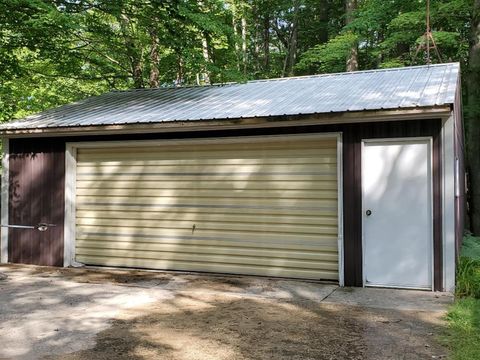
(463, 333)
(471, 247)
(468, 269)
(468, 278)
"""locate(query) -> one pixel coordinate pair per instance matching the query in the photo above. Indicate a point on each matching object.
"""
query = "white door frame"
(5, 200)
(71, 171)
(411, 140)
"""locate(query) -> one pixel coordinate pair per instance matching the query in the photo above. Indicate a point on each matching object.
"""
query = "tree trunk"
(473, 119)
(154, 59)
(237, 36)
(266, 42)
(138, 76)
(352, 59)
(206, 58)
(323, 19)
(291, 56)
(255, 38)
(205, 49)
(244, 44)
(237, 47)
(179, 79)
(133, 53)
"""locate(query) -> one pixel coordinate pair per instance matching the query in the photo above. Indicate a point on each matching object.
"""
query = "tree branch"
(98, 52)
(73, 77)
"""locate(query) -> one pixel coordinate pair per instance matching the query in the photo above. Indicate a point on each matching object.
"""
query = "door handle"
(368, 212)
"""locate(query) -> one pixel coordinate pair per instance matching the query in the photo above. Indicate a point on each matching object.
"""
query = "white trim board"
(448, 204)
(5, 202)
(199, 141)
(70, 191)
(235, 124)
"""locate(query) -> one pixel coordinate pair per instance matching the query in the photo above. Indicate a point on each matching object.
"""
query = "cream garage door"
(242, 206)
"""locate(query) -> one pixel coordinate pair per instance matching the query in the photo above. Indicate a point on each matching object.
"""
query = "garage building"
(355, 178)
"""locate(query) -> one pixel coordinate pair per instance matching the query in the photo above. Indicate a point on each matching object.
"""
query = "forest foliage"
(56, 51)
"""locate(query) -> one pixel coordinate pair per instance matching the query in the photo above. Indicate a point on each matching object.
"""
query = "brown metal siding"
(36, 195)
(352, 206)
(352, 136)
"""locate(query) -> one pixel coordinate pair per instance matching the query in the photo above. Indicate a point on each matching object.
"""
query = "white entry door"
(397, 213)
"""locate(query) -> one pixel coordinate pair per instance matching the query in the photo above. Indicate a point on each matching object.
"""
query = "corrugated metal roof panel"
(409, 87)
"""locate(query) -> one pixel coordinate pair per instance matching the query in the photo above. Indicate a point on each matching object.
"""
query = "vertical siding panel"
(33, 198)
(349, 228)
(357, 208)
(37, 191)
(12, 189)
(47, 214)
(36, 195)
(25, 206)
(58, 176)
(42, 172)
(352, 192)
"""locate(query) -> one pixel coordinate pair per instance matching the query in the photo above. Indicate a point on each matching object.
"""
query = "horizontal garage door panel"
(278, 271)
(211, 209)
(209, 216)
(213, 193)
(226, 235)
(261, 208)
(223, 249)
(270, 244)
(219, 178)
(233, 150)
(220, 185)
(186, 227)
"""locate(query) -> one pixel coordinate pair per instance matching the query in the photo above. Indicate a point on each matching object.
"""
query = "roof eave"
(416, 113)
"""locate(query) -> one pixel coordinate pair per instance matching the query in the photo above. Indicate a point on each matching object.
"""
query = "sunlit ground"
(79, 314)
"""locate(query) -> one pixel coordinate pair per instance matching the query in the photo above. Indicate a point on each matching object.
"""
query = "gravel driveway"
(53, 313)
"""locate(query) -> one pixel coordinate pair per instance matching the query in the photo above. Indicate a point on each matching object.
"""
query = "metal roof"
(408, 87)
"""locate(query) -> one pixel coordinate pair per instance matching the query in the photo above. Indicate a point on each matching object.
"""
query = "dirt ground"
(180, 316)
